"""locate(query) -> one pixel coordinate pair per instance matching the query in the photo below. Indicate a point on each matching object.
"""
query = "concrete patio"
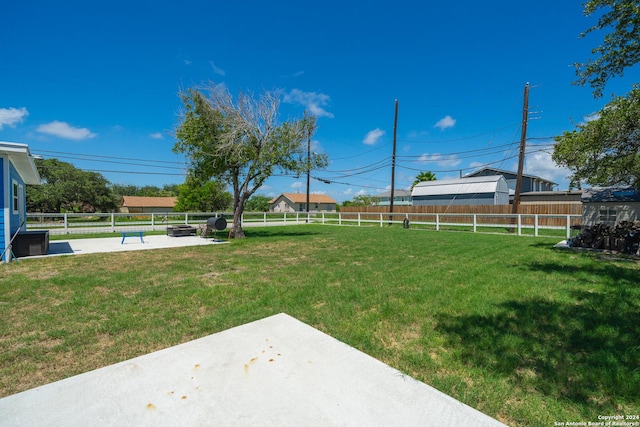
(131, 243)
(276, 371)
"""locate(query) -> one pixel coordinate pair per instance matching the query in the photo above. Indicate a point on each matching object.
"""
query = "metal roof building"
(481, 190)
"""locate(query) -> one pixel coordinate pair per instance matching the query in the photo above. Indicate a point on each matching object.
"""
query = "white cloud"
(12, 116)
(591, 117)
(541, 164)
(156, 135)
(297, 184)
(187, 62)
(312, 101)
(217, 70)
(373, 136)
(448, 161)
(63, 130)
(445, 123)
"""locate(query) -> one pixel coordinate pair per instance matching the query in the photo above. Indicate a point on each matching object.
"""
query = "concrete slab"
(273, 372)
(131, 243)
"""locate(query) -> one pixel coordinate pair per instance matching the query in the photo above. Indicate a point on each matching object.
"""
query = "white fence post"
(437, 222)
(339, 218)
(519, 225)
(381, 219)
(358, 219)
(113, 222)
(66, 224)
(475, 223)
(568, 233)
(535, 225)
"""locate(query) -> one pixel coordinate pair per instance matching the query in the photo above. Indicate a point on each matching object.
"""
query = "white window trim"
(15, 196)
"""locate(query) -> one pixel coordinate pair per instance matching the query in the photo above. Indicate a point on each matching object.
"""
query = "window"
(608, 215)
(15, 196)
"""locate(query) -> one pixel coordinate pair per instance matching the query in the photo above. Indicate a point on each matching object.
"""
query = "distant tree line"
(65, 188)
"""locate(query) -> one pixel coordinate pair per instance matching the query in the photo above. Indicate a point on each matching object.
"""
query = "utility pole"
(393, 164)
(523, 143)
(308, 169)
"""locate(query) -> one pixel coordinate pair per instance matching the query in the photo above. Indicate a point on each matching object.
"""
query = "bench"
(126, 234)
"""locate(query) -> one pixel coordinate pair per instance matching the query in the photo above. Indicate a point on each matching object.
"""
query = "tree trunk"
(236, 231)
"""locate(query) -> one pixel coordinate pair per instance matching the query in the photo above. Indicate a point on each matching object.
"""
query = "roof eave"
(22, 160)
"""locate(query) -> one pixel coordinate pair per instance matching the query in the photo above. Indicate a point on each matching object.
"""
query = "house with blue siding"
(530, 183)
(17, 170)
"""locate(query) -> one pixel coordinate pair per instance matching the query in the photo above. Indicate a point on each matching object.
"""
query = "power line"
(108, 157)
(119, 162)
(461, 138)
(135, 172)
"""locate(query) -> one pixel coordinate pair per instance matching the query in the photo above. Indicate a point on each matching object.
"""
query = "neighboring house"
(17, 169)
(529, 182)
(481, 190)
(610, 205)
(296, 202)
(400, 198)
(139, 204)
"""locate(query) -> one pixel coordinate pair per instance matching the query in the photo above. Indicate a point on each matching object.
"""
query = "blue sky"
(95, 83)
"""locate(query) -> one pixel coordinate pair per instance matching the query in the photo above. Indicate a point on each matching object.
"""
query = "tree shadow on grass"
(277, 232)
(585, 349)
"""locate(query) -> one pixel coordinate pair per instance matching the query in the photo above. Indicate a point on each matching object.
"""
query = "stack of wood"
(624, 237)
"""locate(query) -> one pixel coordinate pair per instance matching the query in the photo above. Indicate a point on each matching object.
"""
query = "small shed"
(480, 190)
(610, 205)
(17, 169)
(140, 204)
(296, 202)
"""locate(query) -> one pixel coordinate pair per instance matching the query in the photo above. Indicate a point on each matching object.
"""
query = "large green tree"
(167, 190)
(361, 200)
(65, 187)
(620, 47)
(605, 151)
(423, 176)
(258, 203)
(241, 141)
(196, 196)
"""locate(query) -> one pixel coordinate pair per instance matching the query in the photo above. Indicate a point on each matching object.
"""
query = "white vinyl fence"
(523, 224)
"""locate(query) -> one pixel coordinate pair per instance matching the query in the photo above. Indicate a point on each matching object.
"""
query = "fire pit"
(180, 230)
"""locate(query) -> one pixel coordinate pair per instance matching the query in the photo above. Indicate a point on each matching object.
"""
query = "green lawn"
(523, 332)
